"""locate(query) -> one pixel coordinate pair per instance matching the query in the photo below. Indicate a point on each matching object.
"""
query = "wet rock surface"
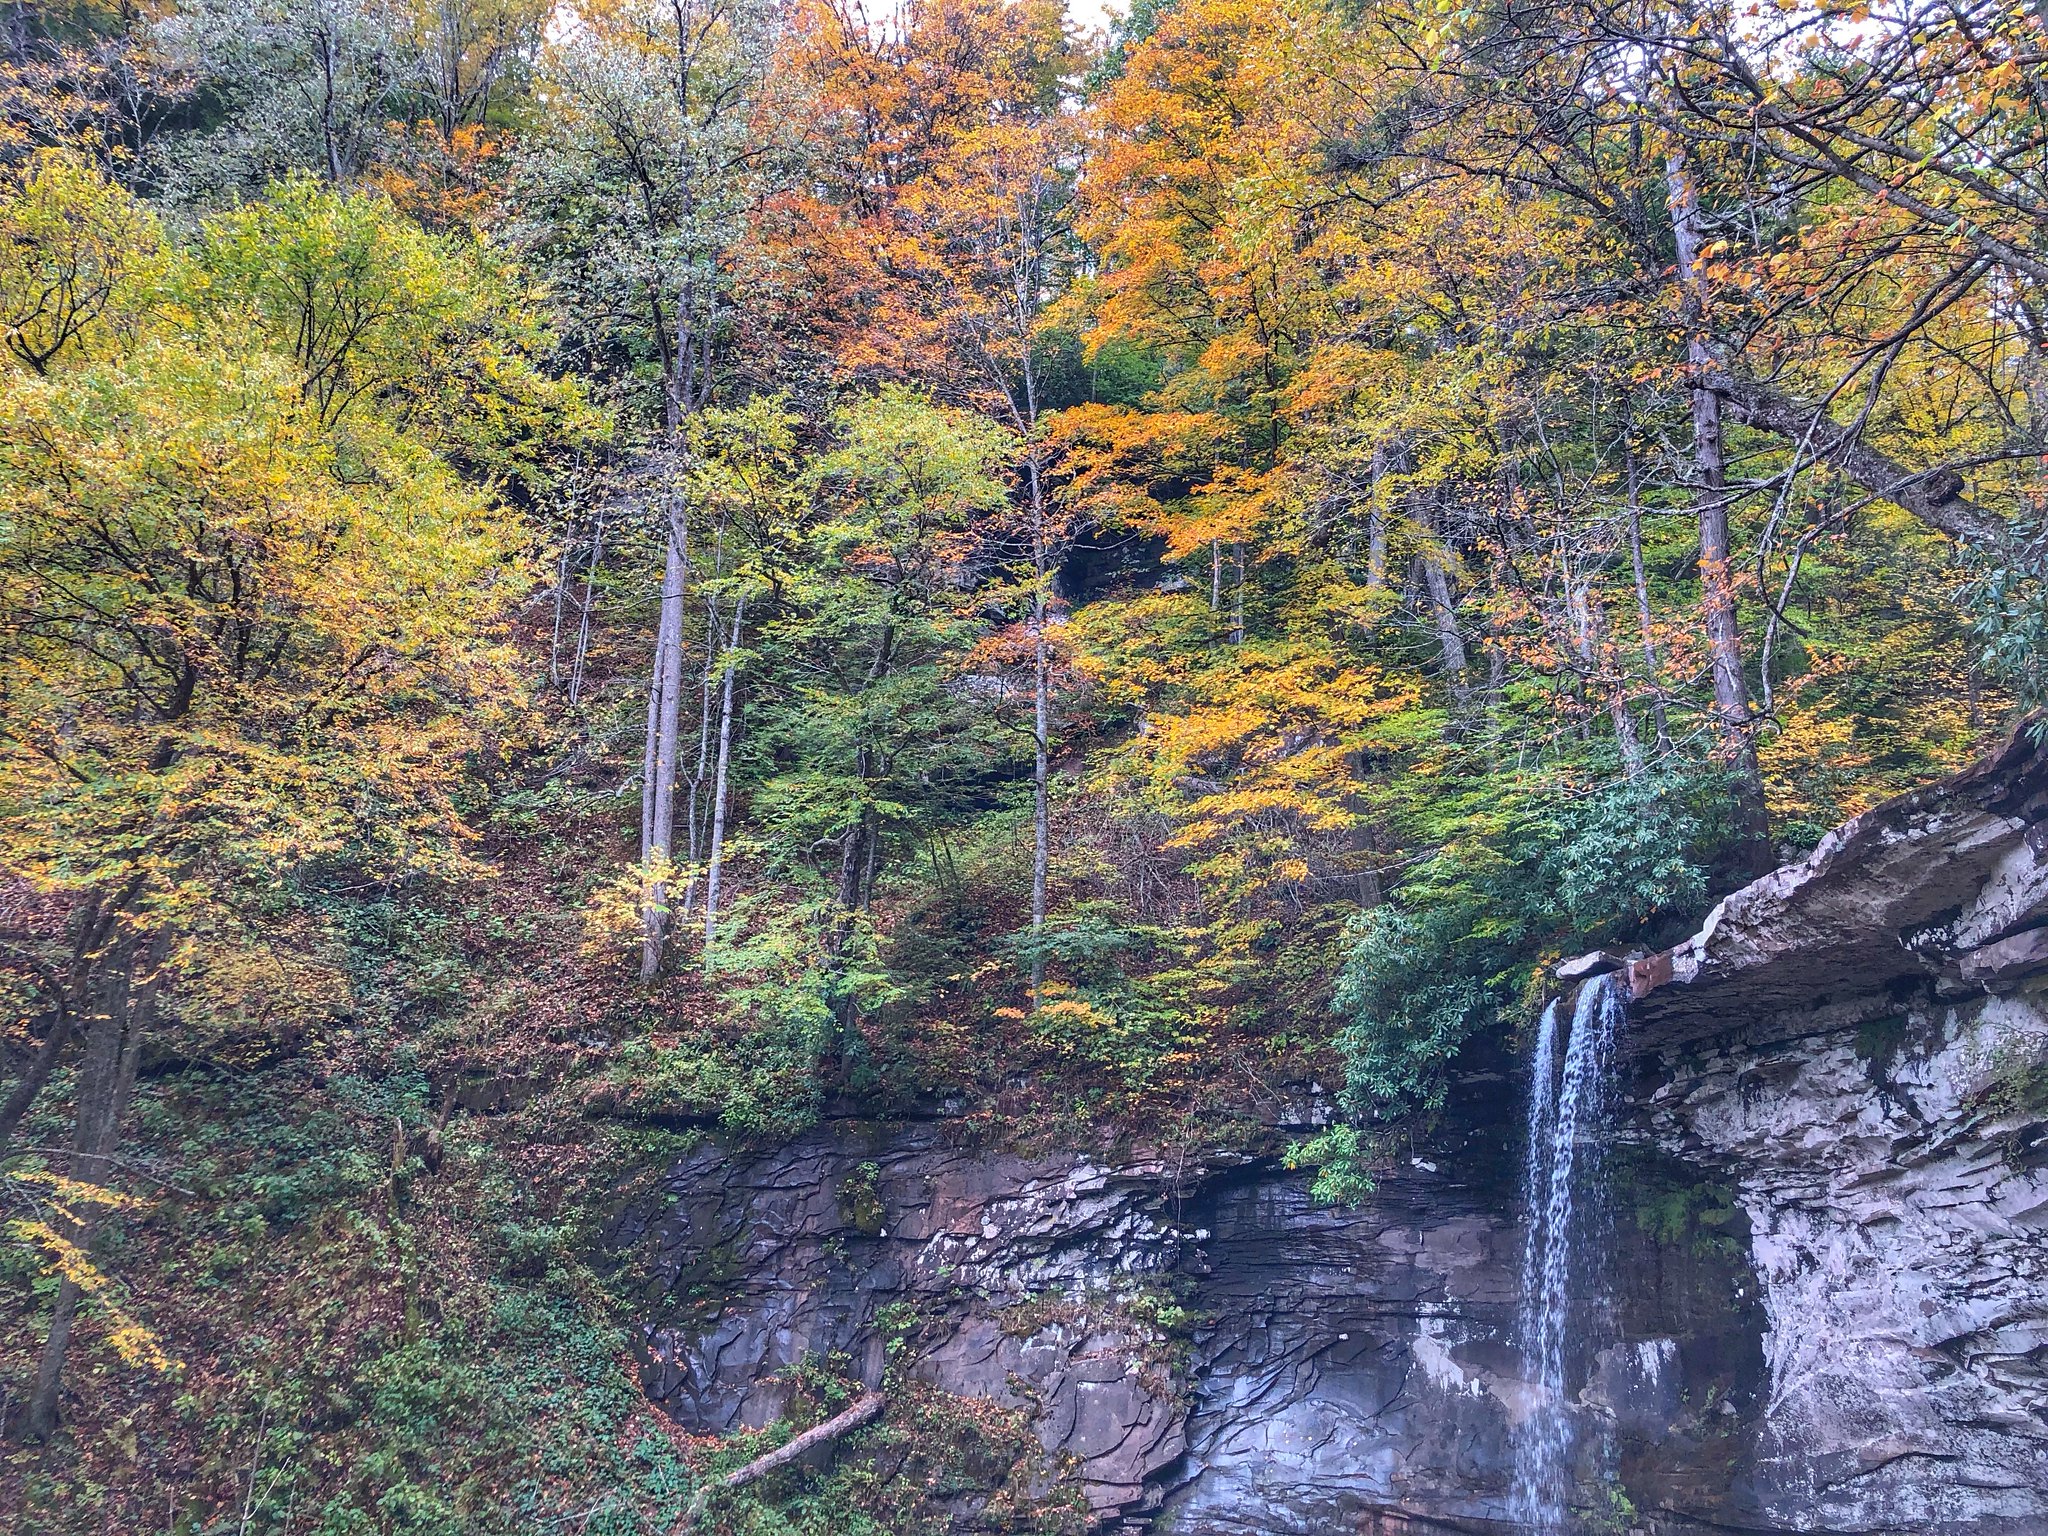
(1861, 1041)
(1200, 1349)
(1899, 1229)
(1361, 1365)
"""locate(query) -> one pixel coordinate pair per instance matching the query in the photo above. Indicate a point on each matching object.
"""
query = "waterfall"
(1561, 1268)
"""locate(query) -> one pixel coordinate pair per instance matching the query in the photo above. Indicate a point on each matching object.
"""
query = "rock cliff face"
(1895, 1180)
(1197, 1346)
(1860, 1041)
(1021, 1279)
(1827, 1285)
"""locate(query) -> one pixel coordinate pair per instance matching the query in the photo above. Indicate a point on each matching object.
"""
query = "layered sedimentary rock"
(1005, 1277)
(1860, 1040)
(1199, 1347)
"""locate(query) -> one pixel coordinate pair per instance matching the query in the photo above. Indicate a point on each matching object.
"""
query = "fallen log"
(866, 1407)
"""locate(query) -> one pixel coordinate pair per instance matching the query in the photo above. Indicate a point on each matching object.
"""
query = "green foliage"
(1373, 661)
(763, 1083)
(1675, 1208)
(860, 1203)
(386, 1347)
(1616, 1513)
(1633, 850)
(431, 333)
(1129, 1014)
(873, 746)
(1453, 951)
(2006, 599)
(1343, 1158)
(2017, 1083)
(238, 641)
(80, 261)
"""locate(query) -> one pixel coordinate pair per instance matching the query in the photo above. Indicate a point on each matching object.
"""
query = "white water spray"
(1566, 1209)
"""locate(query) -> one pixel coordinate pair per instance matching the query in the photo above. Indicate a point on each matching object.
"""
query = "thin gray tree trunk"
(1376, 528)
(1717, 585)
(667, 703)
(1041, 732)
(589, 603)
(652, 751)
(561, 598)
(1237, 597)
(1041, 662)
(713, 649)
(1590, 619)
(717, 851)
(1450, 640)
(1652, 668)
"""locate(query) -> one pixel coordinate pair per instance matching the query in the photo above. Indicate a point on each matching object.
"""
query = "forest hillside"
(580, 578)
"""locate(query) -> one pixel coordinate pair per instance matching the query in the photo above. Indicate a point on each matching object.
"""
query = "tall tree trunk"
(1590, 618)
(660, 824)
(651, 751)
(1215, 575)
(1376, 528)
(713, 649)
(717, 852)
(1237, 596)
(589, 604)
(686, 389)
(93, 926)
(854, 857)
(562, 568)
(1041, 729)
(1443, 604)
(1717, 587)
(1652, 668)
(120, 1018)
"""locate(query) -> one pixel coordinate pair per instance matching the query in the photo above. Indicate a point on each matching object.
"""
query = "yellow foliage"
(78, 1191)
(133, 1342)
(238, 638)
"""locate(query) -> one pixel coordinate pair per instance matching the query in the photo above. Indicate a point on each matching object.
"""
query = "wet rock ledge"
(1861, 1040)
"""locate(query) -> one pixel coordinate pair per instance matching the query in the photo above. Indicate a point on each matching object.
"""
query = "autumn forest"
(579, 581)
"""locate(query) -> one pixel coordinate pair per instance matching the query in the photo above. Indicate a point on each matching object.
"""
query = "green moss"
(1878, 1042)
(860, 1203)
(2018, 1084)
(1675, 1208)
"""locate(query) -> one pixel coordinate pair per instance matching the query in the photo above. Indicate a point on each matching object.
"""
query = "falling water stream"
(1562, 1267)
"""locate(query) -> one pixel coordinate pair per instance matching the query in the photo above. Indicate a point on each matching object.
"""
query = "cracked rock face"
(1358, 1369)
(1327, 1367)
(1897, 1195)
(1012, 1268)
(1861, 1041)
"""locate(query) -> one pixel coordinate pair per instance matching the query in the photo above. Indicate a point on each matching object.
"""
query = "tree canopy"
(1122, 573)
